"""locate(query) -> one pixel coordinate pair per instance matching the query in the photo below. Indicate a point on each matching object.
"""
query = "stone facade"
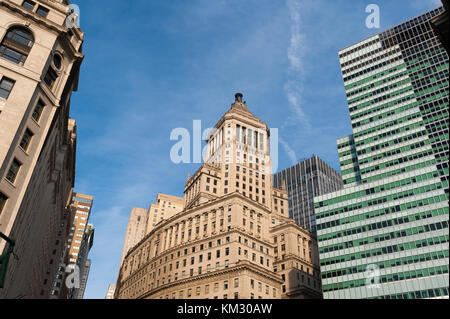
(231, 240)
(39, 62)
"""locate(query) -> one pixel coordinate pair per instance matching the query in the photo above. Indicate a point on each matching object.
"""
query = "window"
(57, 61)
(51, 77)
(42, 11)
(6, 86)
(27, 4)
(13, 170)
(16, 45)
(26, 139)
(3, 200)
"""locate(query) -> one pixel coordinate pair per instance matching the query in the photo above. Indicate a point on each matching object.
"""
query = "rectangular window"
(38, 111)
(27, 4)
(3, 200)
(26, 139)
(13, 170)
(50, 77)
(6, 86)
(43, 12)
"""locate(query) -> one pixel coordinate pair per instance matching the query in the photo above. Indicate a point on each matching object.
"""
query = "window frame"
(10, 42)
(13, 82)
(16, 173)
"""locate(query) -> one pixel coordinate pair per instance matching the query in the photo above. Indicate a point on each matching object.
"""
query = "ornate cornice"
(240, 266)
(32, 16)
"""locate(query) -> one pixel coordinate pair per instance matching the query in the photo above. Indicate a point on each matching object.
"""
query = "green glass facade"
(385, 235)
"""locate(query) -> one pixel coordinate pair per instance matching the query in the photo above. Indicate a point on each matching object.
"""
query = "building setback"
(385, 235)
(231, 239)
(143, 220)
(40, 60)
(305, 180)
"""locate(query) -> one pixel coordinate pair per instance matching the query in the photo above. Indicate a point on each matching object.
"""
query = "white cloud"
(289, 151)
(296, 51)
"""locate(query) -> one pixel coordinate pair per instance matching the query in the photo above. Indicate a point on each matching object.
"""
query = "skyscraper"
(231, 239)
(83, 280)
(142, 220)
(309, 178)
(165, 207)
(110, 292)
(79, 242)
(40, 60)
(385, 235)
(136, 229)
(83, 262)
(81, 208)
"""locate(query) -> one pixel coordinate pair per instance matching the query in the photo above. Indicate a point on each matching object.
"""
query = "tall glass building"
(309, 178)
(385, 234)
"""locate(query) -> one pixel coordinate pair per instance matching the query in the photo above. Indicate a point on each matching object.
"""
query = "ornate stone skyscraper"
(233, 238)
(40, 60)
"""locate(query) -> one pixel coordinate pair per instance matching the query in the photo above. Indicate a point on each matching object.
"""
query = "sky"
(152, 66)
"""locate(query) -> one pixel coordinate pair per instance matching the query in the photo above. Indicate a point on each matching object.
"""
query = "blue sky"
(152, 66)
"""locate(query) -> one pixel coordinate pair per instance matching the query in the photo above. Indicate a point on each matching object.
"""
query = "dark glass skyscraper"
(309, 178)
(385, 235)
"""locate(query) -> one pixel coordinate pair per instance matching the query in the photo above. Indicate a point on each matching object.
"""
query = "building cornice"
(32, 16)
(240, 266)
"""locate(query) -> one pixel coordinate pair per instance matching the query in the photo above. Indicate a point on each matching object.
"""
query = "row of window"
(40, 10)
(387, 236)
(14, 168)
(385, 250)
(420, 273)
(388, 263)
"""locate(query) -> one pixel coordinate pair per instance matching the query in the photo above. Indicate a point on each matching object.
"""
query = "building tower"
(309, 178)
(136, 229)
(83, 262)
(110, 292)
(385, 235)
(231, 239)
(40, 60)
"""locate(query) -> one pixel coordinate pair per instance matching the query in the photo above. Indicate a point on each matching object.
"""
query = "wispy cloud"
(289, 151)
(296, 51)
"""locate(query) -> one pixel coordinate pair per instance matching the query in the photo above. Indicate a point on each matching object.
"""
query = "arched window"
(16, 45)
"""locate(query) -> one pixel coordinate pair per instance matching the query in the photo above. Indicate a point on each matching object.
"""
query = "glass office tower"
(309, 178)
(385, 234)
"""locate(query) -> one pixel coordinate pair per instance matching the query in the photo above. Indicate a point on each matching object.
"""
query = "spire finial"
(238, 97)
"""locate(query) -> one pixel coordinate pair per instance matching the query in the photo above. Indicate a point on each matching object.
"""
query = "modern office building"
(231, 239)
(385, 235)
(81, 208)
(441, 25)
(40, 60)
(79, 241)
(305, 180)
(83, 263)
(83, 280)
